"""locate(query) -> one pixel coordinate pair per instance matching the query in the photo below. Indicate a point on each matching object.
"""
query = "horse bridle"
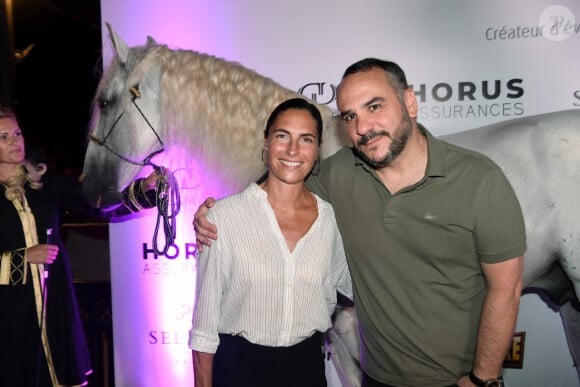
(166, 188)
(147, 161)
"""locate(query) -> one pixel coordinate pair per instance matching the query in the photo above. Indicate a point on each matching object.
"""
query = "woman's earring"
(263, 161)
(316, 168)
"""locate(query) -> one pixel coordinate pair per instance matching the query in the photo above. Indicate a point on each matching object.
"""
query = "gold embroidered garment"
(14, 268)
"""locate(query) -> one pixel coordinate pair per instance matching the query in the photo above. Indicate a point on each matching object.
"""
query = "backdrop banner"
(470, 64)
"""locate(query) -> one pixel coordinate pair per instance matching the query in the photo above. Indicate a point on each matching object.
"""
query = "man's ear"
(410, 100)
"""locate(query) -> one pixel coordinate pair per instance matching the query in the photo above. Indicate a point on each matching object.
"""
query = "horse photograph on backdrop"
(152, 97)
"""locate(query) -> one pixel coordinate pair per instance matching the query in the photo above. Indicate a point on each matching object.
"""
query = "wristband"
(485, 383)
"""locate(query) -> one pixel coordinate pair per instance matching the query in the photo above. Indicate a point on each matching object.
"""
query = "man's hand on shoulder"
(205, 231)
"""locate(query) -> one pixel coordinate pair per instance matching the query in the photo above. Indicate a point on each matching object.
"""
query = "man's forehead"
(360, 90)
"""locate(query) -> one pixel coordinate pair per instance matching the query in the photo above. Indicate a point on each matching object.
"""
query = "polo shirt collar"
(436, 160)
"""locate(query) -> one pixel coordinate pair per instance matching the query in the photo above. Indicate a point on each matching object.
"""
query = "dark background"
(51, 90)
(55, 83)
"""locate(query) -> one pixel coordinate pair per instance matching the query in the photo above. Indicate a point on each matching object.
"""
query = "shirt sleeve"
(499, 225)
(13, 267)
(203, 336)
(340, 266)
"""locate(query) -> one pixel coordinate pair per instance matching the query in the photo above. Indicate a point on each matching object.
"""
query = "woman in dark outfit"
(30, 204)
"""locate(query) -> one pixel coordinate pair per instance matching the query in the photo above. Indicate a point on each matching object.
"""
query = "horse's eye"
(103, 103)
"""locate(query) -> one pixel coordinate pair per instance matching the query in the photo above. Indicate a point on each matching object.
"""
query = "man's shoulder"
(333, 174)
(460, 153)
(337, 168)
(343, 157)
(462, 156)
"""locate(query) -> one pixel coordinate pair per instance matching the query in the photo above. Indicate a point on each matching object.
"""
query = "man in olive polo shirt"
(434, 237)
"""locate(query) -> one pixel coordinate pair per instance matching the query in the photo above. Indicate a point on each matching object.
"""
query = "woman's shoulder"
(240, 201)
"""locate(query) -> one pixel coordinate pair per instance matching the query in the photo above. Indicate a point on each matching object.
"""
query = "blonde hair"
(34, 174)
(27, 173)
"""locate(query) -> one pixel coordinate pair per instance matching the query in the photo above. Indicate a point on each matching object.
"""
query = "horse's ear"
(121, 48)
(150, 41)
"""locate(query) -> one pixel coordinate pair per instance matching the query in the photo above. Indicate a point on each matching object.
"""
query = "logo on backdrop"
(173, 337)
(555, 23)
(468, 99)
(178, 260)
(321, 92)
(576, 101)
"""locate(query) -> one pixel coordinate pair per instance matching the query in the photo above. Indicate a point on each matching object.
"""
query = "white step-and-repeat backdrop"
(470, 63)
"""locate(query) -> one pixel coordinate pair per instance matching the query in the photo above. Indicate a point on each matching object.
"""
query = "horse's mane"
(210, 106)
(226, 103)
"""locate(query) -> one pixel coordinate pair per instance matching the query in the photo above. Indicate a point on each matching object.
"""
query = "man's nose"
(363, 125)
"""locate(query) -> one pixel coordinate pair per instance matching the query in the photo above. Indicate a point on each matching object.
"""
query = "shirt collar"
(256, 190)
(436, 162)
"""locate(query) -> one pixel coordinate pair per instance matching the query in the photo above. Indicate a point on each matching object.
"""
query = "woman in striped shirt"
(266, 289)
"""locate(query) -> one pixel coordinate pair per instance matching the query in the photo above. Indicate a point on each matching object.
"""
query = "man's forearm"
(497, 324)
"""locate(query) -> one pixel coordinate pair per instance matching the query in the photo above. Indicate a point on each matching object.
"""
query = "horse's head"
(125, 126)
(154, 98)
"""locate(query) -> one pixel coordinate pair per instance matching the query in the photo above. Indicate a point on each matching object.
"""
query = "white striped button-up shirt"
(250, 284)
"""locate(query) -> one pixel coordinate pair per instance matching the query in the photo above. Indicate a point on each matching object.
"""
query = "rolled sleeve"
(201, 342)
(203, 336)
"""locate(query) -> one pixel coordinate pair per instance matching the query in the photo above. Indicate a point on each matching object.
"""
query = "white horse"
(153, 97)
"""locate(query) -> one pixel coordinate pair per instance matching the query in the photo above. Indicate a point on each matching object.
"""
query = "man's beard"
(398, 142)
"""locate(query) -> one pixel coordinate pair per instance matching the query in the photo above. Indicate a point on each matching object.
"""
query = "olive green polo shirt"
(415, 257)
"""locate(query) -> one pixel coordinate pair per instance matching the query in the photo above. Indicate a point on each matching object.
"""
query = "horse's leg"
(556, 290)
(571, 321)
(570, 311)
(344, 347)
(569, 237)
(571, 264)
